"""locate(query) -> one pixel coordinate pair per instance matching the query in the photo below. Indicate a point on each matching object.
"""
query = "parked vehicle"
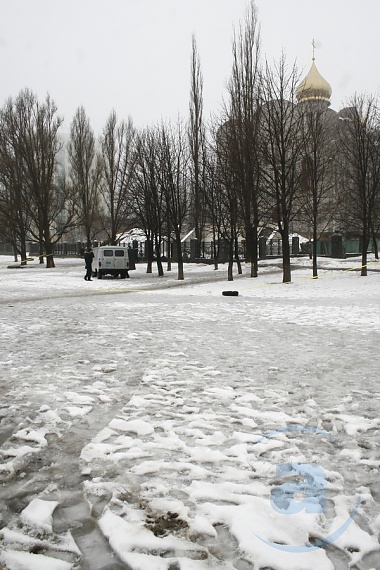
(111, 260)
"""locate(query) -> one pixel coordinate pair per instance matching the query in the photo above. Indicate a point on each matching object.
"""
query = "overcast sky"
(134, 55)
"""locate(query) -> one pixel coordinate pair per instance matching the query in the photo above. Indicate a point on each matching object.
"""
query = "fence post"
(337, 247)
(195, 249)
(262, 247)
(223, 250)
(295, 245)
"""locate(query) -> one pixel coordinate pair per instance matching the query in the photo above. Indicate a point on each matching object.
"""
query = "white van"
(111, 260)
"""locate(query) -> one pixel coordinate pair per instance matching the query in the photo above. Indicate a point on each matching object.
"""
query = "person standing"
(88, 257)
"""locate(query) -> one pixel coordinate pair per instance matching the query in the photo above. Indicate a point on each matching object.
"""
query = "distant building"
(315, 92)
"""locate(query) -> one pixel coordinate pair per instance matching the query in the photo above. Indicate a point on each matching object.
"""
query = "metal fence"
(193, 250)
(60, 249)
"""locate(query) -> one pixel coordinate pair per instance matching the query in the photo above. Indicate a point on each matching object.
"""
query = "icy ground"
(152, 424)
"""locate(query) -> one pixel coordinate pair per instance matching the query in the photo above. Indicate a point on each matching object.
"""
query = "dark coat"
(88, 257)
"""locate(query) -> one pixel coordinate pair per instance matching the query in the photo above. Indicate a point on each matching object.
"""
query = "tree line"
(265, 160)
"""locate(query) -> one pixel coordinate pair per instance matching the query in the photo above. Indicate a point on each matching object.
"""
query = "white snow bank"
(17, 560)
(38, 514)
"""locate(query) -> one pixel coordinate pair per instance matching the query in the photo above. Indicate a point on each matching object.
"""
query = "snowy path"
(160, 419)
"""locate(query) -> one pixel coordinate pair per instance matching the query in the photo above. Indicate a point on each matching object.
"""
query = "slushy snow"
(154, 424)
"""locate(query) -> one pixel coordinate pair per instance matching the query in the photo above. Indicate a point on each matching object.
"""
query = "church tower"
(314, 87)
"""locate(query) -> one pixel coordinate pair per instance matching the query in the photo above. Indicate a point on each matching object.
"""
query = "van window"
(108, 252)
(119, 253)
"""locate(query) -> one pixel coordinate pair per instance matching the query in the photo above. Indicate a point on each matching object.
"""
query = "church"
(314, 93)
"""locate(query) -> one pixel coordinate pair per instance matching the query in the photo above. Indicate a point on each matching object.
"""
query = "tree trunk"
(23, 253)
(180, 273)
(238, 263)
(230, 261)
(215, 250)
(287, 274)
(315, 258)
(149, 254)
(41, 256)
(249, 248)
(230, 270)
(375, 246)
(254, 260)
(23, 247)
(169, 255)
(49, 255)
(160, 269)
(364, 253)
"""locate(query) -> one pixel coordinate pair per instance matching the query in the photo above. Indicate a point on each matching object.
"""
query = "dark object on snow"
(88, 257)
(230, 293)
(132, 258)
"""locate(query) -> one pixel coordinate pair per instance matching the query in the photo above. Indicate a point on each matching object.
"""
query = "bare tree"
(34, 145)
(147, 198)
(85, 173)
(197, 146)
(212, 192)
(118, 153)
(316, 200)
(174, 183)
(14, 219)
(360, 165)
(281, 148)
(229, 214)
(242, 132)
(375, 221)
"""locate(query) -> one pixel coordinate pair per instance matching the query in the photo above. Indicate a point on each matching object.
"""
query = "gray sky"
(134, 55)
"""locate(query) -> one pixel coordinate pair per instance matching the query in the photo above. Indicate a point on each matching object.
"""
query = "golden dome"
(314, 87)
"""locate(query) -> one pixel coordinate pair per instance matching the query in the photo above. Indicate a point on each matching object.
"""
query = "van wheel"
(123, 275)
(100, 274)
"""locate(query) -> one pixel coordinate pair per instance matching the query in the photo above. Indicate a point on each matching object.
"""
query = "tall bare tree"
(33, 145)
(14, 219)
(85, 173)
(213, 199)
(174, 183)
(229, 212)
(243, 128)
(147, 199)
(360, 153)
(317, 198)
(118, 153)
(197, 146)
(281, 148)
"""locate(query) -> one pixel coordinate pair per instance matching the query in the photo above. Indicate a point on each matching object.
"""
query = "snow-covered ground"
(155, 424)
